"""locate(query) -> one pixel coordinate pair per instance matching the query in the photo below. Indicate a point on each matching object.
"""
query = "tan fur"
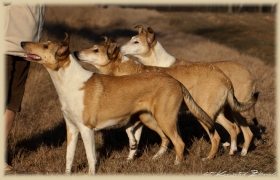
(208, 85)
(94, 101)
(244, 86)
(136, 97)
(108, 89)
(242, 80)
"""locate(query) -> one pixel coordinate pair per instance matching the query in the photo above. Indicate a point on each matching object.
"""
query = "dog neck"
(69, 77)
(109, 68)
(125, 66)
(157, 56)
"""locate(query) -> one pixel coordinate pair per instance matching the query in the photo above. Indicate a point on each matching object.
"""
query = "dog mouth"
(32, 57)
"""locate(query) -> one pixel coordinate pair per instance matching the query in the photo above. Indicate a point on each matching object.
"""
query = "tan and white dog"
(149, 51)
(92, 101)
(210, 88)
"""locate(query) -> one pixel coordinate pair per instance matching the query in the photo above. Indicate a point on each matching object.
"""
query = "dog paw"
(176, 162)
(244, 152)
(155, 157)
(232, 153)
(68, 173)
(205, 159)
(160, 153)
(91, 173)
(131, 156)
(129, 160)
(226, 144)
(235, 154)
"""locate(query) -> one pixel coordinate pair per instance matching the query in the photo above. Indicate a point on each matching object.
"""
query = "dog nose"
(22, 44)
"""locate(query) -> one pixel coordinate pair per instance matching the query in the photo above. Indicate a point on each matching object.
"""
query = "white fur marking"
(107, 124)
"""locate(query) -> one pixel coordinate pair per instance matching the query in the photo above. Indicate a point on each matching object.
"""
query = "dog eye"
(46, 46)
(95, 50)
(136, 42)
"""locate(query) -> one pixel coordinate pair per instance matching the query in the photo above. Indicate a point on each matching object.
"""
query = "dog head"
(141, 43)
(99, 55)
(51, 55)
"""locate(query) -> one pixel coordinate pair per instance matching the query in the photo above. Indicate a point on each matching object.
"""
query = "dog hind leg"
(168, 124)
(134, 133)
(230, 127)
(215, 140)
(149, 121)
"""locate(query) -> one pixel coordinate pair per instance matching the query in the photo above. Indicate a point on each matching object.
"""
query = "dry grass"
(246, 32)
(37, 142)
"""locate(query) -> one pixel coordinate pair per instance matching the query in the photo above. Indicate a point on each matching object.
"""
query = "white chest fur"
(69, 83)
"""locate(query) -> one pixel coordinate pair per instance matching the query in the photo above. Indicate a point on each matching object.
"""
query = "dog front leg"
(89, 142)
(72, 138)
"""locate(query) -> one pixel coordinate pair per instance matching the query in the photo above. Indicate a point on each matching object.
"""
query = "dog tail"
(241, 106)
(197, 111)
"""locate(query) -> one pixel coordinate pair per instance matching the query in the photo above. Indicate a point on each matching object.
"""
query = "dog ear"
(63, 51)
(151, 37)
(66, 40)
(106, 43)
(112, 41)
(140, 29)
(113, 50)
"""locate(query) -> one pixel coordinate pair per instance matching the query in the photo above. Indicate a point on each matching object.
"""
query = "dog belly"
(106, 124)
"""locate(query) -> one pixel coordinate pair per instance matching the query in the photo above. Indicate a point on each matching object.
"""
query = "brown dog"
(210, 88)
(149, 51)
(92, 101)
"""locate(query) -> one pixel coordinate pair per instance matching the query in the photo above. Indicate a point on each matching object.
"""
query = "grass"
(242, 31)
